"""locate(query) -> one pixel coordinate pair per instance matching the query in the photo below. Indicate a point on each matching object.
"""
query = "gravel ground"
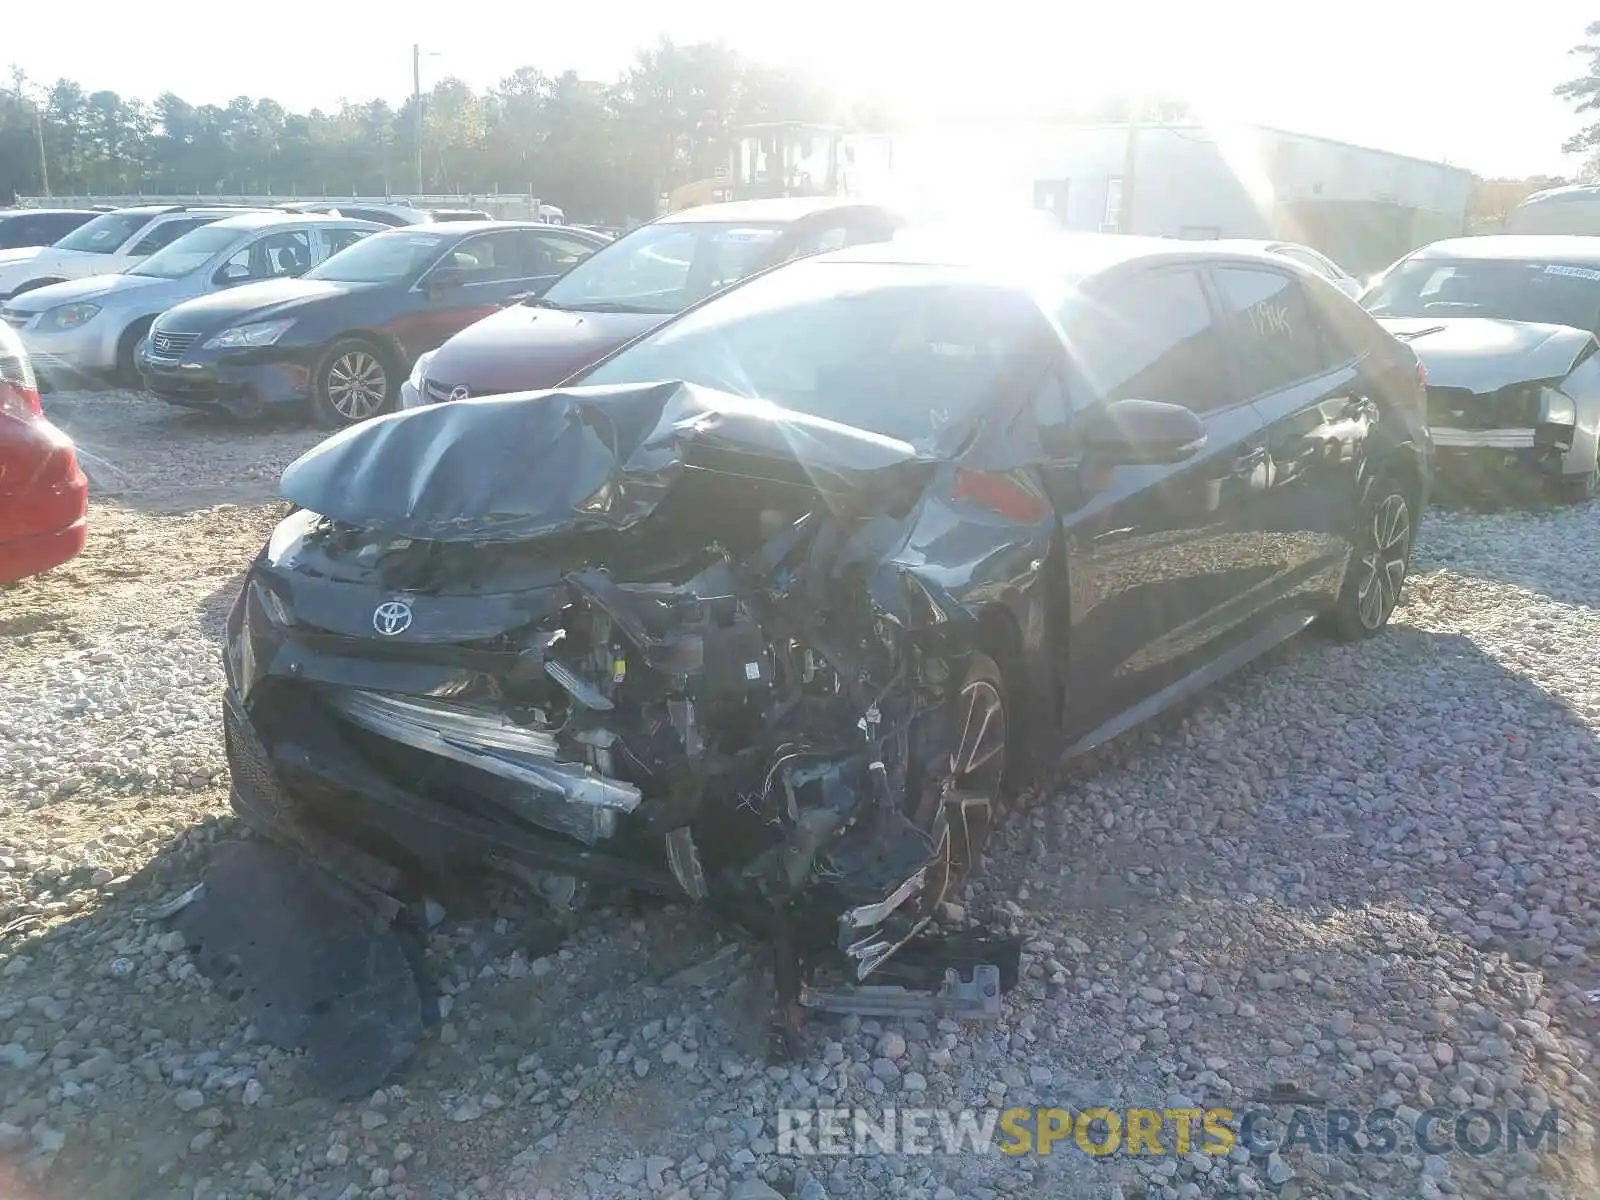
(1365, 871)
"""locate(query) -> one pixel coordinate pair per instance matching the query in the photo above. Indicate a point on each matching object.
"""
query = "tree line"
(602, 150)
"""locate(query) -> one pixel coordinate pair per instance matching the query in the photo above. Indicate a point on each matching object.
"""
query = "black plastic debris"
(316, 966)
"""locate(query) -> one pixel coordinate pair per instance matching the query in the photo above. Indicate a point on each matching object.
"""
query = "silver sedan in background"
(92, 327)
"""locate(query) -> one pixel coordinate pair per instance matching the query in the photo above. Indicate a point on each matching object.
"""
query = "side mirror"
(1143, 432)
(233, 273)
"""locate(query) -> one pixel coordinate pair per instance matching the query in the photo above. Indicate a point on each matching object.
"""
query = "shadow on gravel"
(1325, 803)
(107, 1019)
(214, 608)
(1412, 853)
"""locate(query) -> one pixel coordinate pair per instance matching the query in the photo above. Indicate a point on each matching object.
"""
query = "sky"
(1431, 78)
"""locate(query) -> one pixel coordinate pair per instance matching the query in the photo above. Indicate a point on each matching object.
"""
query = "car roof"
(265, 220)
(1517, 247)
(1558, 195)
(48, 212)
(1270, 245)
(779, 211)
(1048, 258)
(466, 228)
(204, 210)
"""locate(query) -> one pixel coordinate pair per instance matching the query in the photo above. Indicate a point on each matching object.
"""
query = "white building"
(1361, 206)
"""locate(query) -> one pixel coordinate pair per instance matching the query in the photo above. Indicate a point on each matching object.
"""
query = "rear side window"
(552, 253)
(14, 232)
(492, 258)
(1277, 339)
(337, 239)
(54, 226)
(1152, 337)
(167, 232)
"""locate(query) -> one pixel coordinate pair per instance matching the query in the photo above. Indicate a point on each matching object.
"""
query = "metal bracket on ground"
(977, 999)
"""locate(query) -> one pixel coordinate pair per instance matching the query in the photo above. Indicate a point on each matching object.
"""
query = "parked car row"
(412, 288)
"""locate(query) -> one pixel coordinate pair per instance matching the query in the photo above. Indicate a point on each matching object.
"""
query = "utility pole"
(416, 104)
(1130, 158)
(44, 159)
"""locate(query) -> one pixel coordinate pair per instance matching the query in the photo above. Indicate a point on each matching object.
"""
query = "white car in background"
(1308, 258)
(107, 245)
(93, 326)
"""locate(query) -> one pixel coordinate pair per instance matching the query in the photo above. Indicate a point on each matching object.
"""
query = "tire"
(126, 373)
(1575, 489)
(1377, 572)
(355, 381)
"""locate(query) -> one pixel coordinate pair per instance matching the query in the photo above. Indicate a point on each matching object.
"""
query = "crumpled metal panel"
(574, 460)
(315, 966)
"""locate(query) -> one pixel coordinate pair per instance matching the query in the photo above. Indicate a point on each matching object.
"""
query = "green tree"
(601, 149)
(1583, 92)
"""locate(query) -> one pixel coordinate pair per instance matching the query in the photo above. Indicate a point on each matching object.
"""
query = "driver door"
(1161, 559)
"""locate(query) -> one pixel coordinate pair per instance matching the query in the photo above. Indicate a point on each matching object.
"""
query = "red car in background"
(44, 496)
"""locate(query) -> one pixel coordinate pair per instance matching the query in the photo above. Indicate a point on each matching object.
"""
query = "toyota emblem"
(392, 617)
(459, 393)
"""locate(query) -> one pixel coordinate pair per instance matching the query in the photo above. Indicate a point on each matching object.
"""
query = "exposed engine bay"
(740, 697)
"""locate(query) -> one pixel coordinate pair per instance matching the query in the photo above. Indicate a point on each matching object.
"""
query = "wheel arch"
(135, 329)
(1017, 634)
(384, 340)
(1406, 462)
(35, 284)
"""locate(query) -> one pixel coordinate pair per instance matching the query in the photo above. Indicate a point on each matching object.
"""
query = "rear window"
(105, 233)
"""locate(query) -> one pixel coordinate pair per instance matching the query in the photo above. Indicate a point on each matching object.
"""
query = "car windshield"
(664, 268)
(188, 254)
(871, 346)
(105, 233)
(1544, 292)
(382, 258)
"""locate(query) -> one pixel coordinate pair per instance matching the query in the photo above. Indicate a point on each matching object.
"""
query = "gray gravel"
(1365, 871)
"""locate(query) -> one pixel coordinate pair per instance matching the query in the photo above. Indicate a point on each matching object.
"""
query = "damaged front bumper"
(691, 645)
(398, 767)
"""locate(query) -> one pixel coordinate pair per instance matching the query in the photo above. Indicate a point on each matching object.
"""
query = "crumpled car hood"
(570, 460)
(1482, 354)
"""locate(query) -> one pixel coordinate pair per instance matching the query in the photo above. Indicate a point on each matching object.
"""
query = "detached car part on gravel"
(662, 636)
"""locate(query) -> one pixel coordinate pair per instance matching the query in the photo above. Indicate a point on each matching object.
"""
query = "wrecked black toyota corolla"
(790, 654)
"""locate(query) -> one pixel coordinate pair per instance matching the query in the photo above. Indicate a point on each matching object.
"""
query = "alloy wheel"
(357, 385)
(1383, 562)
(973, 775)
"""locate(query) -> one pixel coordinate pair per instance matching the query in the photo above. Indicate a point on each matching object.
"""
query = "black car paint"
(403, 318)
(1270, 503)
(1104, 590)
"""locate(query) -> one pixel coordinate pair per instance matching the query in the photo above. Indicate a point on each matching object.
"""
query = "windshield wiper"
(541, 302)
